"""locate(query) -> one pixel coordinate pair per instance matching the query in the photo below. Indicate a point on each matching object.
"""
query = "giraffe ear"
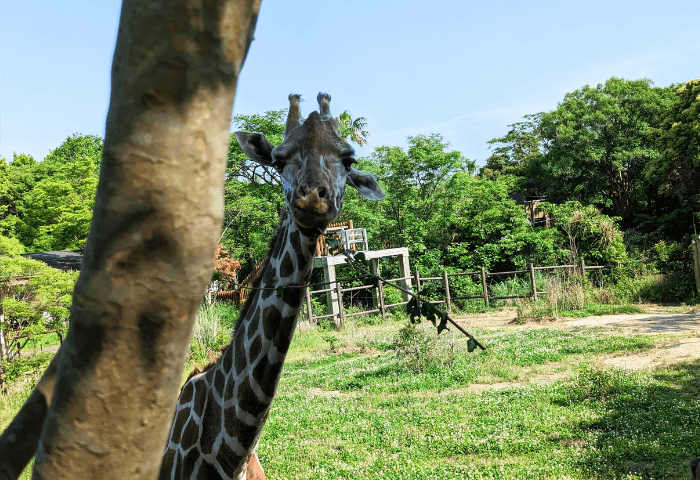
(256, 146)
(366, 184)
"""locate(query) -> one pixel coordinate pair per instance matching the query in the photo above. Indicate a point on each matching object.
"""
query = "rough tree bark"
(150, 251)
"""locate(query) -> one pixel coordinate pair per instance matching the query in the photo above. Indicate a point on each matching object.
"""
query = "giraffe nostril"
(322, 192)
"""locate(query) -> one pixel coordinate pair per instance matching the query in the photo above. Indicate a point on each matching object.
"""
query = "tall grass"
(566, 294)
(212, 331)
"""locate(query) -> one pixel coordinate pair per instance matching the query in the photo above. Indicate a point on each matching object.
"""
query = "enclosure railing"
(419, 282)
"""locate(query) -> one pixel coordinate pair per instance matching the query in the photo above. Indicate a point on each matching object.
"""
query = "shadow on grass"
(651, 432)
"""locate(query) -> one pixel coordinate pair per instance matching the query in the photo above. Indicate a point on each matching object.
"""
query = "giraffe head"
(314, 162)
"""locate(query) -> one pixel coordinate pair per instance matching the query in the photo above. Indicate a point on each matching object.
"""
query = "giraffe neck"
(221, 411)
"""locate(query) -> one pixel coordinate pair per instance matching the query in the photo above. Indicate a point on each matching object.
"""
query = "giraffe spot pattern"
(239, 352)
(255, 348)
(228, 459)
(295, 240)
(179, 424)
(251, 330)
(287, 266)
(242, 431)
(280, 242)
(283, 338)
(267, 293)
(266, 375)
(200, 397)
(271, 320)
(219, 383)
(166, 468)
(208, 472)
(178, 466)
(186, 394)
(228, 392)
(188, 464)
(293, 296)
(211, 426)
(227, 359)
(248, 400)
(189, 437)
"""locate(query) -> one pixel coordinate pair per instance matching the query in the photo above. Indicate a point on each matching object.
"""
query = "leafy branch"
(417, 307)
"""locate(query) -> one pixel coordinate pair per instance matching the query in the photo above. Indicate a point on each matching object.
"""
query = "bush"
(598, 384)
(41, 304)
(419, 351)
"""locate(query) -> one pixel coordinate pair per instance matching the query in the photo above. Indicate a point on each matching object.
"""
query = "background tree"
(17, 179)
(676, 171)
(353, 130)
(48, 205)
(252, 197)
(512, 154)
(592, 148)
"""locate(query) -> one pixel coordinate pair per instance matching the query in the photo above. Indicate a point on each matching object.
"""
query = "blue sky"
(459, 68)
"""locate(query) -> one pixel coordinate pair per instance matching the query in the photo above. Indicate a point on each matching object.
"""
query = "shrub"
(599, 384)
(419, 351)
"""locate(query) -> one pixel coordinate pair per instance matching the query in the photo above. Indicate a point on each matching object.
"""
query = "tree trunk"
(150, 251)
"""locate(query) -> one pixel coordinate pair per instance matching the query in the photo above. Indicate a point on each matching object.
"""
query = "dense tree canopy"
(620, 154)
(612, 146)
(48, 205)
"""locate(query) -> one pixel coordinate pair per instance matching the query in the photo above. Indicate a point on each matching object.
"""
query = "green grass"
(375, 401)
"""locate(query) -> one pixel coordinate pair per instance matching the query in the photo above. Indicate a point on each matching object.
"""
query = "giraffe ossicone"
(221, 411)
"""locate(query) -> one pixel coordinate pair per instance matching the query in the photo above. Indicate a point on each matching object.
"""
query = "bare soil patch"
(681, 345)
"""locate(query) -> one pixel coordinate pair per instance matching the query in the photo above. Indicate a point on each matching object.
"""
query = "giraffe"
(221, 410)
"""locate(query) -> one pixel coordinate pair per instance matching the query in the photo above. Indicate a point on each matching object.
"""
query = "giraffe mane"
(258, 280)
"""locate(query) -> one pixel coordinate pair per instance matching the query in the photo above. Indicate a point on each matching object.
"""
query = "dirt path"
(682, 344)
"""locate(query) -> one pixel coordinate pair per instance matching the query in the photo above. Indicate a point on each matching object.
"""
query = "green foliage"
(252, 193)
(10, 246)
(595, 383)
(594, 147)
(676, 171)
(353, 130)
(590, 235)
(212, 331)
(48, 205)
(17, 368)
(41, 305)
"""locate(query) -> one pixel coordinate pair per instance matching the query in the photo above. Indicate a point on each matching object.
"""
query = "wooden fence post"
(485, 288)
(532, 281)
(583, 268)
(308, 304)
(417, 278)
(447, 290)
(380, 291)
(341, 310)
(696, 260)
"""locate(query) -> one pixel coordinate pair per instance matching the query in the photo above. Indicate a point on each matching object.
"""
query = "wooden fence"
(381, 307)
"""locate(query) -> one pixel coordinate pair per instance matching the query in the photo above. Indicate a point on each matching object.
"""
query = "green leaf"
(280, 292)
(409, 306)
(415, 314)
(443, 324)
(360, 257)
(431, 312)
(471, 345)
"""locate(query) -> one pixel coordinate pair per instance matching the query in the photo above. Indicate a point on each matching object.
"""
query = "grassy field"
(386, 401)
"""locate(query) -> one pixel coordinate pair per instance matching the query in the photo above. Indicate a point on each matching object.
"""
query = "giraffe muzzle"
(312, 207)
